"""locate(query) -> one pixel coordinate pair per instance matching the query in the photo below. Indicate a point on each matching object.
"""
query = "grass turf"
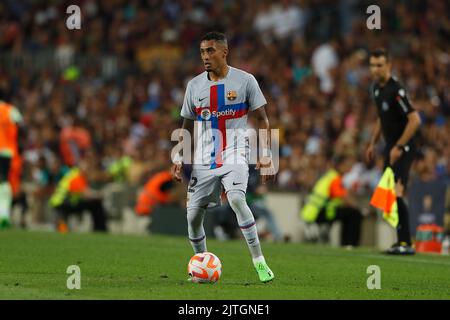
(33, 266)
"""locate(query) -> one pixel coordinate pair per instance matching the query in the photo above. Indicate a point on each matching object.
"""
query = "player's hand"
(370, 153)
(267, 170)
(176, 172)
(394, 155)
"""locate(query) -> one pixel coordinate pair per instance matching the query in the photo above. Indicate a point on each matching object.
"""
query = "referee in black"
(399, 122)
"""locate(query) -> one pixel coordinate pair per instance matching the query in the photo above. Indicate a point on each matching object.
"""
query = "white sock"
(199, 245)
(251, 236)
(259, 259)
(196, 231)
(246, 221)
(5, 200)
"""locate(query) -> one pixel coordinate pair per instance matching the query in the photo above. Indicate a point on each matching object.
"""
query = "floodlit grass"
(33, 266)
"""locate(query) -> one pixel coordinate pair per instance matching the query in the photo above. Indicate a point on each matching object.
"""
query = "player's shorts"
(402, 166)
(5, 166)
(206, 185)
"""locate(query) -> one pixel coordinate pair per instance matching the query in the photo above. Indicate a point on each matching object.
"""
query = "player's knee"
(236, 199)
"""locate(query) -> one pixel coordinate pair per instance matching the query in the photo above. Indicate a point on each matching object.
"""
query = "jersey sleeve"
(255, 97)
(401, 99)
(188, 108)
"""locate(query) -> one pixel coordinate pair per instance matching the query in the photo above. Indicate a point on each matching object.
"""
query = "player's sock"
(251, 236)
(5, 201)
(246, 221)
(259, 260)
(403, 232)
(196, 231)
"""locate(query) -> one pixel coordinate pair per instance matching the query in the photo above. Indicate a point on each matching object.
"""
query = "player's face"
(379, 68)
(213, 54)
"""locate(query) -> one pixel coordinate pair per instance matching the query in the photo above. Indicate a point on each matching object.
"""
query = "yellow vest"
(62, 190)
(320, 198)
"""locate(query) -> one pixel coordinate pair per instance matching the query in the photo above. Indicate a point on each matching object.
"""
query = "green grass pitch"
(33, 266)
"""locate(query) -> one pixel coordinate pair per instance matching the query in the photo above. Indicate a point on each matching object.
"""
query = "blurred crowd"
(115, 87)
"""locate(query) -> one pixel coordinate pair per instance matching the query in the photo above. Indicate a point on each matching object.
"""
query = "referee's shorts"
(402, 166)
(5, 166)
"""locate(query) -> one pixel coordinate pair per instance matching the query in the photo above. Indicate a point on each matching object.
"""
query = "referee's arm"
(411, 127)
(376, 133)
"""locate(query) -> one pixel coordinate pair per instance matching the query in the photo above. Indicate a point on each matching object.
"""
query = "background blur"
(116, 86)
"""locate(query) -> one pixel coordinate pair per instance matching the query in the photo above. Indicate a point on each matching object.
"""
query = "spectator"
(74, 194)
(156, 192)
(324, 60)
(126, 99)
(74, 141)
(330, 201)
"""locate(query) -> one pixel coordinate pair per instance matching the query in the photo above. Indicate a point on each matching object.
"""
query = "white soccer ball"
(205, 268)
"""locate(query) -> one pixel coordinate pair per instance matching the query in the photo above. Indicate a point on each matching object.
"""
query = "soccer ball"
(204, 268)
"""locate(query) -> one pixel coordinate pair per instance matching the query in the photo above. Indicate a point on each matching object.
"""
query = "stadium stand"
(121, 80)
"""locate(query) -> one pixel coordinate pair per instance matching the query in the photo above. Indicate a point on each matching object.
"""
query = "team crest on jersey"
(205, 114)
(231, 95)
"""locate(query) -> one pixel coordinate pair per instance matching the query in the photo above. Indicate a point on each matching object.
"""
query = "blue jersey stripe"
(215, 124)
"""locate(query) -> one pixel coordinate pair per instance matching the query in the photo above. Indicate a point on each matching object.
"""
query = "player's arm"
(265, 162)
(411, 128)
(265, 125)
(188, 115)
(188, 124)
(257, 104)
(376, 133)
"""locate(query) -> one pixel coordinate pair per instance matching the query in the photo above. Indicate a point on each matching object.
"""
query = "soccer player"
(399, 122)
(10, 119)
(218, 100)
